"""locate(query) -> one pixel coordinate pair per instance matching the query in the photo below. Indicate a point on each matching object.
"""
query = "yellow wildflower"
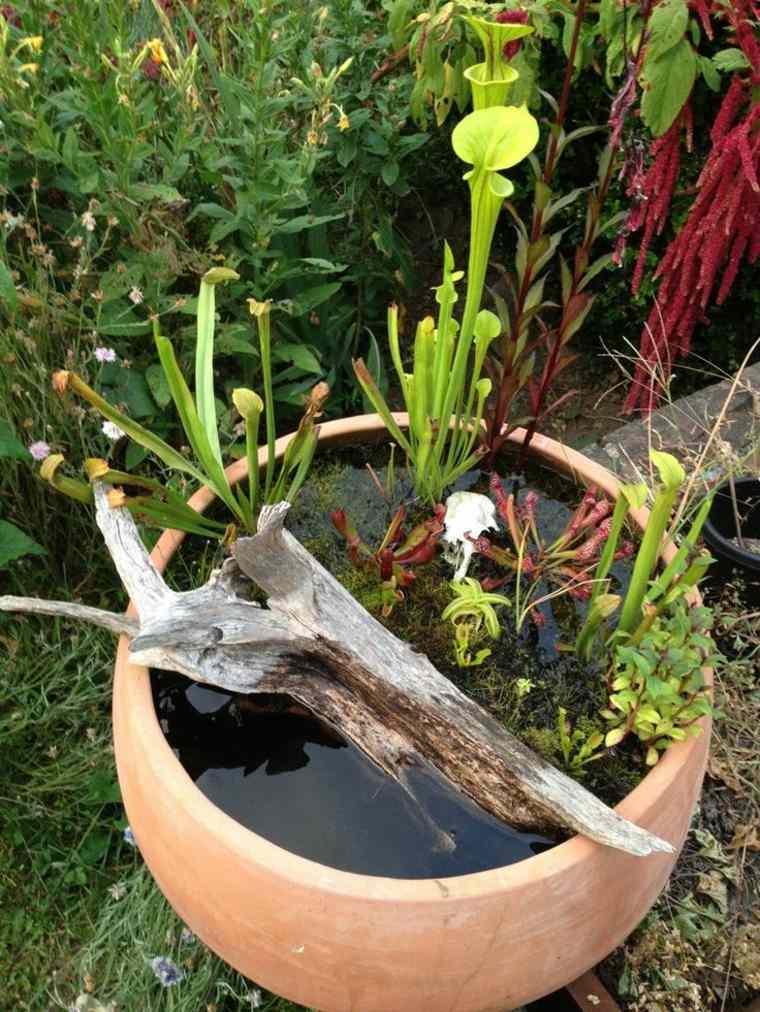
(157, 51)
(34, 42)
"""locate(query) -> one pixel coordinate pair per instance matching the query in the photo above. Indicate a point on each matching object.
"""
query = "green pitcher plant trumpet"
(157, 502)
(444, 394)
(491, 79)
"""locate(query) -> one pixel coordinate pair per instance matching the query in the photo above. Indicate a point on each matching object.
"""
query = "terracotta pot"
(343, 942)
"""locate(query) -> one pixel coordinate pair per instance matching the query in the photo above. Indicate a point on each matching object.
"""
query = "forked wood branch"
(315, 643)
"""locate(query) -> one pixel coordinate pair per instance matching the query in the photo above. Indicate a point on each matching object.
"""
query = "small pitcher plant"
(156, 502)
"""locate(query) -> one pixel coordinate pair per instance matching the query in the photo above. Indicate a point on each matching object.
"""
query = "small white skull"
(467, 513)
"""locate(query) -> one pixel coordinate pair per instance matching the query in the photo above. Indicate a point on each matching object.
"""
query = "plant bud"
(60, 381)
(247, 402)
(217, 275)
(96, 467)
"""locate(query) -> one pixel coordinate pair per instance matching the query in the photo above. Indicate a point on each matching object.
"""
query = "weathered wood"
(115, 623)
(315, 643)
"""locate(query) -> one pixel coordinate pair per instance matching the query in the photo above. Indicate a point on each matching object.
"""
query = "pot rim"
(719, 542)
(636, 806)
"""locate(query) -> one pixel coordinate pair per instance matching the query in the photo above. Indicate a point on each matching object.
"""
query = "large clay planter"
(342, 942)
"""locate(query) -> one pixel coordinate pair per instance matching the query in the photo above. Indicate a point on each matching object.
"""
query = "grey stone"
(682, 428)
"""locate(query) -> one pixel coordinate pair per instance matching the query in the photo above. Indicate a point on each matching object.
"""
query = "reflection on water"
(291, 779)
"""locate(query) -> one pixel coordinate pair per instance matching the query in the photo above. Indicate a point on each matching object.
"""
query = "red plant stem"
(551, 155)
(579, 269)
(507, 366)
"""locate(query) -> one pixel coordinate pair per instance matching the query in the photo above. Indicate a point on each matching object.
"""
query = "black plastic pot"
(732, 561)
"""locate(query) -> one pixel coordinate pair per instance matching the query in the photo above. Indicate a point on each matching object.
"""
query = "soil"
(748, 544)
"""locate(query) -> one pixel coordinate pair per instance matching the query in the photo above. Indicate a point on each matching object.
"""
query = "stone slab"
(682, 428)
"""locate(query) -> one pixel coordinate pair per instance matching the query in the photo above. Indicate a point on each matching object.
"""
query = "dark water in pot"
(288, 777)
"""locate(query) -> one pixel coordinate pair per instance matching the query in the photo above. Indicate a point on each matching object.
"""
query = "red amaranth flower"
(622, 103)
(721, 230)
(653, 193)
(517, 16)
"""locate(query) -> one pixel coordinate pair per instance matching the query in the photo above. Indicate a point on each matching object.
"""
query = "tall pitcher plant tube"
(490, 140)
(160, 504)
(490, 80)
(444, 394)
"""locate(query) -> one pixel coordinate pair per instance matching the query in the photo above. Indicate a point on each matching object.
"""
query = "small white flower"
(112, 430)
(39, 449)
(105, 354)
(257, 999)
(136, 296)
(88, 220)
(118, 890)
(467, 513)
(13, 221)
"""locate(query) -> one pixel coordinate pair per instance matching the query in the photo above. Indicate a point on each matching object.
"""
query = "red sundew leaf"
(385, 564)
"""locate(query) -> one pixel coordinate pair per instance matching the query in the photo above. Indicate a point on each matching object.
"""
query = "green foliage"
(14, 544)
(444, 395)
(667, 82)
(473, 615)
(658, 690)
(244, 135)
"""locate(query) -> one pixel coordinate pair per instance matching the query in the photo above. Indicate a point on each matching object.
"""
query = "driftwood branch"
(110, 620)
(315, 643)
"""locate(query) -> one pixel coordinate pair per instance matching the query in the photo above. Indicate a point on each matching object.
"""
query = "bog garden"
(396, 363)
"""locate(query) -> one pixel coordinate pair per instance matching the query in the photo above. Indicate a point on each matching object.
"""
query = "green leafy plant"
(14, 543)
(657, 685)
(473, 615)
(444, 394)
(578, 748)
(160, 504)
(682, 573)
(655, 652)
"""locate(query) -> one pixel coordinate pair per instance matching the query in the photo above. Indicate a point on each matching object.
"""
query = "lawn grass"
(80, 911)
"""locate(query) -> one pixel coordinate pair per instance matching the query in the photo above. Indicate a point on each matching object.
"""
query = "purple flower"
(129, 837)
(167, 971)
(39, 450)
(105, 354)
